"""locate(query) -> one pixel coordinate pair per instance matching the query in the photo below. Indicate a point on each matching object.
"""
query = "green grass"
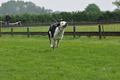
(24, 29)
(80, 58)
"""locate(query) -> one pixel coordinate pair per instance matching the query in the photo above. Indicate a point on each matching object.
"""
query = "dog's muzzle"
(65, 25)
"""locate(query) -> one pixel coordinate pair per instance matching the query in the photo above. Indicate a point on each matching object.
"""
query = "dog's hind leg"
(51, 45)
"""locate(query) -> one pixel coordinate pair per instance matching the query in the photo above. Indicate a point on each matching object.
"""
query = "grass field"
(80, 58)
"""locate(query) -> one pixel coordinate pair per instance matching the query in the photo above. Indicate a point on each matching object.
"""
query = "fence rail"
(66, 33)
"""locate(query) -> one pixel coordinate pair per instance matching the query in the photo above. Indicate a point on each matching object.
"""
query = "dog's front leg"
(58, 41)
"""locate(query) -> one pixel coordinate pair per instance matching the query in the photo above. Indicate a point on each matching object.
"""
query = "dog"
(56, 33)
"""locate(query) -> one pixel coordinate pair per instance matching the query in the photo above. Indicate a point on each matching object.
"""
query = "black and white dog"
(55, 33)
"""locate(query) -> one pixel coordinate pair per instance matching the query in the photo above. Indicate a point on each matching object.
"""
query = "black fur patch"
(52, 29)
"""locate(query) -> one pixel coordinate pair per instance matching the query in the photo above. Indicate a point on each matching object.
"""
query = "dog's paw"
(51, 46)
(56, 45)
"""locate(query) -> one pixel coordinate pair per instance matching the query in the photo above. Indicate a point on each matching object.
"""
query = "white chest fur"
(58, 33)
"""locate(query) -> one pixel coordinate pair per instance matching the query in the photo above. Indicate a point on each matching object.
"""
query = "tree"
(66, 16)
(117, 4)
(92, 8)
(21, 7)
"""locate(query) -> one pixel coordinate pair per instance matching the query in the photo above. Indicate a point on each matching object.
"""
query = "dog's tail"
(49, 34)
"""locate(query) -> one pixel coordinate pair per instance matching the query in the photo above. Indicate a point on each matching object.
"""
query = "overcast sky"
(71, 5)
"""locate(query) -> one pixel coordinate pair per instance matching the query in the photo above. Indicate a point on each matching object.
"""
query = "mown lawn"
(80, 58)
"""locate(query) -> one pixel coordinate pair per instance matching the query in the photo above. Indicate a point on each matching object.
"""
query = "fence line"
(101, 33)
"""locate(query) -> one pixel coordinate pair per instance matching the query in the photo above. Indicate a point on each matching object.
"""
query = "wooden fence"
(101, 33)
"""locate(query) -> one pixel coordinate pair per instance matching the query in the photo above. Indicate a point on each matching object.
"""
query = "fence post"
(28, 32)
(100, 33)
(74, 30)
(11, 31)
(103, 31)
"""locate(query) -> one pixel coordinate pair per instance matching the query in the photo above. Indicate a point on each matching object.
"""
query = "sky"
(71, 5)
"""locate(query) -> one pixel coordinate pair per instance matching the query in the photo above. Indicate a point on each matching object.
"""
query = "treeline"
(21, 7)
(67, 16)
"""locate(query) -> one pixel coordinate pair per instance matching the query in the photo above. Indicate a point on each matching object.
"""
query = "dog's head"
(63, 24)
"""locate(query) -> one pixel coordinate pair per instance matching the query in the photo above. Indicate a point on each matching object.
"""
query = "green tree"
(92, 8)
(117, 4)
(66, 16)
(21, 7)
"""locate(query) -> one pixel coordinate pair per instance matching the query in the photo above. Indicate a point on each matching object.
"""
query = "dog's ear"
(58, 24)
